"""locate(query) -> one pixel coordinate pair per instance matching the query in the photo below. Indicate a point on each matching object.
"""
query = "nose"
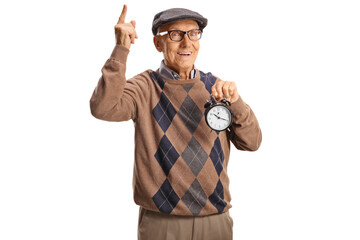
(186, 41)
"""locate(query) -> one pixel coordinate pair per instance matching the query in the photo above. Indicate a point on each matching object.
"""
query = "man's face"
(175, 56)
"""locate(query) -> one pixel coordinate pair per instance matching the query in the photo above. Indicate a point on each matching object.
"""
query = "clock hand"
(220, 117)
(217, 116)
(223, 119)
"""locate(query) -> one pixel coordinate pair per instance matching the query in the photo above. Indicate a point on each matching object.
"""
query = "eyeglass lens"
(179, 35)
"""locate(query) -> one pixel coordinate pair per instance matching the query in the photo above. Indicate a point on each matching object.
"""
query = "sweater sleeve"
(245, 132)
(114, 98)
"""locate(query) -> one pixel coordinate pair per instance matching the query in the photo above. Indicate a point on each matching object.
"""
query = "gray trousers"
(160, 226)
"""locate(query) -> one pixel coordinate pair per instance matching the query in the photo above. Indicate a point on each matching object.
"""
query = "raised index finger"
(123, 15)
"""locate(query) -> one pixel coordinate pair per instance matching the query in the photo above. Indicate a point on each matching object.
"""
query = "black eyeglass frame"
(184, 32)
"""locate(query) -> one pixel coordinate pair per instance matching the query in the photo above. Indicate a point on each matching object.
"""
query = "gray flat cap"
(176, 14)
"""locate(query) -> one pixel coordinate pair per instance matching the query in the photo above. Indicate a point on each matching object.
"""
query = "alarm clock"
(217, 115)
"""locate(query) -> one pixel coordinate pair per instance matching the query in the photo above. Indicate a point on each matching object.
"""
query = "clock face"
(219, 118)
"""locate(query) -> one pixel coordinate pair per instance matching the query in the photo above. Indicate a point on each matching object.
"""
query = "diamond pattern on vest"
(217, 198)
(188, 87)
(166, 155)
(166, 199)
(195, 198)
(158, 79)
(164, 112)
(217, 156)
(193, 155)
(208, 79)
(190, 114)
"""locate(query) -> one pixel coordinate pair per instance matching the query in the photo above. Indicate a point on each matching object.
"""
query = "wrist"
(235, 98)
(120, 53)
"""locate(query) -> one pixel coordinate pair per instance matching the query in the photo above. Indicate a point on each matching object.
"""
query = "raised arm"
(114, 98)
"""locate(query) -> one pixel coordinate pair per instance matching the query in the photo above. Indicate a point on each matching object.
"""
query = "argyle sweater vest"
(180, 163)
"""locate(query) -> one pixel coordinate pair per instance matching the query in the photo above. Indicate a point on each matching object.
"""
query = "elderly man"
(180, 178)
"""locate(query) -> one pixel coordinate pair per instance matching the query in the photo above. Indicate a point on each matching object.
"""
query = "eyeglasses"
(178, 35)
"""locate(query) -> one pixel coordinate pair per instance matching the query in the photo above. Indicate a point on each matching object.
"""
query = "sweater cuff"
(238, 107)
(120, 53)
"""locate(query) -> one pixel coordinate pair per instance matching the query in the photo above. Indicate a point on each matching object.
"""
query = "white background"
(67, 175)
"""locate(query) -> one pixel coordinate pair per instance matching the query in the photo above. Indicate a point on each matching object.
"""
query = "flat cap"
(176, 14)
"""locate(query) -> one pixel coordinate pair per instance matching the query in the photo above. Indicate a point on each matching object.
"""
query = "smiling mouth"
(184, 53)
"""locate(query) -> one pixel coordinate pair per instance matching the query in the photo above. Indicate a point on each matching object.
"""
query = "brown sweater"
(180, 164)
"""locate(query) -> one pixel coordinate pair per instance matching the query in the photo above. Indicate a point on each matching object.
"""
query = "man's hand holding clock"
(225, 89)
(217, 115)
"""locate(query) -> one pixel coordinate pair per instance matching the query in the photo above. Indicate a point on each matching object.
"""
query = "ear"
(158, 43)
